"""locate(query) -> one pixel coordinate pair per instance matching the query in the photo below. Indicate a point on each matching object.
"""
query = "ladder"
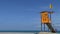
(50, 27)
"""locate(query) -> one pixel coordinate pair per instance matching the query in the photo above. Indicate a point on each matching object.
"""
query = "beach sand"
(46, 33)
(15, 33)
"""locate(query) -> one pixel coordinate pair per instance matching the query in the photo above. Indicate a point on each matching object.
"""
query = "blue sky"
(24, 14)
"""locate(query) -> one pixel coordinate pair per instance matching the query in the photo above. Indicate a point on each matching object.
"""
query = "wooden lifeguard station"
(46, 19)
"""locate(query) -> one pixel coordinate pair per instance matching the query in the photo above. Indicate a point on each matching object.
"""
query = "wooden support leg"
(50, 27)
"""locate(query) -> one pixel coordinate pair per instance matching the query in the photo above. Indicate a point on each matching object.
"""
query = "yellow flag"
(51, 6)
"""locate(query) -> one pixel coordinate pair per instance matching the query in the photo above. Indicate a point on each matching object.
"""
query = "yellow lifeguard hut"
(46, 19)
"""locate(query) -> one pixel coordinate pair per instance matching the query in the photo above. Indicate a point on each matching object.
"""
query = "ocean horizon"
(26, 31)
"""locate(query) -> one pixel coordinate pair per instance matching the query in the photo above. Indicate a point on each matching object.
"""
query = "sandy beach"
(47, 33)
(15, 33)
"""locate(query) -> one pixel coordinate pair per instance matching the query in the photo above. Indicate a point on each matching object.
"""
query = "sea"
(23, 33)
(20, 33)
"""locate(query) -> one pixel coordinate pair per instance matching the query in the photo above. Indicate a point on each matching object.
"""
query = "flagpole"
(50, 13)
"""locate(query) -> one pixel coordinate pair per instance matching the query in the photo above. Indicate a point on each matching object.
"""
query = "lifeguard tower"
(46, 19)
